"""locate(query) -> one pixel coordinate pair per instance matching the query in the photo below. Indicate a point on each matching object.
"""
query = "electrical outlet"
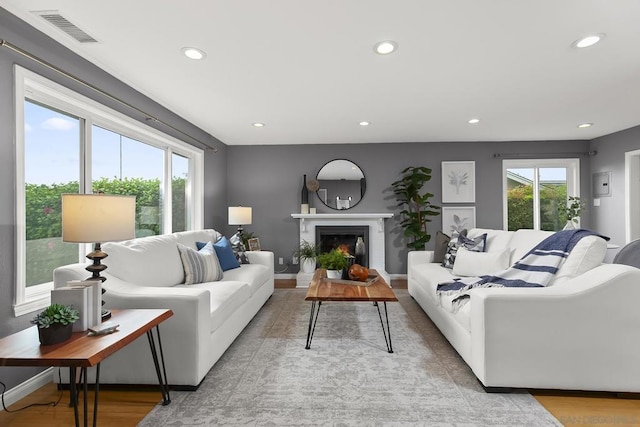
(280, 261)
(294, 260)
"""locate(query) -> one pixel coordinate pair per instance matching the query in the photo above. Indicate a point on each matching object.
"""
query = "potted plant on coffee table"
(307, 253)
(334, 261)
(55, 323)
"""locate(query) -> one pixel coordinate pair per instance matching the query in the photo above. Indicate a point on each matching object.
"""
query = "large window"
(66, 143)
(534, 190)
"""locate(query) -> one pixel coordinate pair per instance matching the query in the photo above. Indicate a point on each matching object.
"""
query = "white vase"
(334, 274)
(308, 265)
(570, 225)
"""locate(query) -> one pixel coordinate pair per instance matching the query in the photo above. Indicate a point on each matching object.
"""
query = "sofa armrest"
(265, 258)
(418, 257)
(577, 333)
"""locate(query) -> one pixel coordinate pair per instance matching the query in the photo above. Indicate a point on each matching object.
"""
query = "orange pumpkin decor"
(358, 272)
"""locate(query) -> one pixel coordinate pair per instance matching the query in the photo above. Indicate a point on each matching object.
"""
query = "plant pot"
(308, 265)
(334, 274)
(570, 225)
(55, 333)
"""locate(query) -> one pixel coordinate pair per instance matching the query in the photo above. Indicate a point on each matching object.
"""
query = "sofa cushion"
(129, 260)
(471, 263)
(525, 240)
(200, 266)
(587, 254)
(225, 298)
(254, 275)
(496, 240)
(473, 244)
(190, 238)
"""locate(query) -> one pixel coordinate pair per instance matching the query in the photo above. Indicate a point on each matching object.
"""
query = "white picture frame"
(459, 182)
(458, 218)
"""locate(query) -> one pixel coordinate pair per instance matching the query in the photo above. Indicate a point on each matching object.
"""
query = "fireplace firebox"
(333, 236)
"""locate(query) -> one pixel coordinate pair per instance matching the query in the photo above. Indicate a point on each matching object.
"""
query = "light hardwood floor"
(127, 407)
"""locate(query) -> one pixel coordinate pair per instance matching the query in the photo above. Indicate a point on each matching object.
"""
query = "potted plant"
(417, 209)
(334, 261)
(307, 253)
(55, 323)
(571, 211)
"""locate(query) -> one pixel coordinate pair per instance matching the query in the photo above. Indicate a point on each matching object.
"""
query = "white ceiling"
(308, 71)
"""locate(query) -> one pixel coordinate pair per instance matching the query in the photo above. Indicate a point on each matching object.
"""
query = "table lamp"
(239, 215)
(98, 218)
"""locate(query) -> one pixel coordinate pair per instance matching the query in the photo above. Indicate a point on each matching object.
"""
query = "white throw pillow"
(470, 263)
(588, 253)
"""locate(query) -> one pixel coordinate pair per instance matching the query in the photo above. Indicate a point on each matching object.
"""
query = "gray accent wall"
(26, 37)
(269, 179)
(609, 217)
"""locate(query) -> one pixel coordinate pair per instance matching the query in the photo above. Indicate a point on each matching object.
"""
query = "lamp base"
(96, 268)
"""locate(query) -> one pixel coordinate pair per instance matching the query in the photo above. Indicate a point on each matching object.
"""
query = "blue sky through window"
(53, 145)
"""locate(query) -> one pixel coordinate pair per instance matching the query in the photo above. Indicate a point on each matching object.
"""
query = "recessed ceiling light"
(193, 53)
(589, 40)
(474, 121)
(258, 125)
(385, 47)
(585, 125)
(364, 123)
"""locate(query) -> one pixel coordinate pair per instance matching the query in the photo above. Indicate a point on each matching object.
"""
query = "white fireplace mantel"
(375, 222)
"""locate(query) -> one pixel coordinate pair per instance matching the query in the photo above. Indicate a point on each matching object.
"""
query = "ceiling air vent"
(53, 17)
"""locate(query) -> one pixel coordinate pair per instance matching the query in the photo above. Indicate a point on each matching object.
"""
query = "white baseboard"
(24, 389)
(398, 276)
(284, 276)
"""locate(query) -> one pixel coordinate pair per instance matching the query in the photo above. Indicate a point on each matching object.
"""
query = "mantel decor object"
(304, 202)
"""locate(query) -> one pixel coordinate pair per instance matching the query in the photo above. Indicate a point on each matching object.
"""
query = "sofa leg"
(496, 389)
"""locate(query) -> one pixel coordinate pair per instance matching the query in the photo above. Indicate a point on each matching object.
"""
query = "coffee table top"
(323, 289)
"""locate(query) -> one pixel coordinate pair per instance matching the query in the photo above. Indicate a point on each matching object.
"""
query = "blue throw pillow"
(223, 247)
(225, 254)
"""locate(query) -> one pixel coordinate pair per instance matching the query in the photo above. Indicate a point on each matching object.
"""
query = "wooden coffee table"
(323, 289)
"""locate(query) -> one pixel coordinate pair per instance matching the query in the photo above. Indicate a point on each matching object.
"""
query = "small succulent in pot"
(56, 314)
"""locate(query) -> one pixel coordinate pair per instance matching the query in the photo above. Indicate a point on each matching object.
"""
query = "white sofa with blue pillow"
(579, 333)
(150, 272)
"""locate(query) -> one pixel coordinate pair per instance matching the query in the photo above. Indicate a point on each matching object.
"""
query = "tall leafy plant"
(417, 210)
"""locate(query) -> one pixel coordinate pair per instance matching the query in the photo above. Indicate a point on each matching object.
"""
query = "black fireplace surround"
(329, 237)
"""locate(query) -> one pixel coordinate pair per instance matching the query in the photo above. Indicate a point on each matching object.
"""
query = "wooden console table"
(83, 351)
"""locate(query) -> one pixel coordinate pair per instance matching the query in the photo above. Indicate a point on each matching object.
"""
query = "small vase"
(334, 274)
(570, 225)
(55, 333)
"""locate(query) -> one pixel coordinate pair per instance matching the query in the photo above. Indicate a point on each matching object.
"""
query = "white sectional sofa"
(207, 317)
(579, 333)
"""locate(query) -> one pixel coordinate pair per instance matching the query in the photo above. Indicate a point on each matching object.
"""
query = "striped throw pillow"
(200, 266)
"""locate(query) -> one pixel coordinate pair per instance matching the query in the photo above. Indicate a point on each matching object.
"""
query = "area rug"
(347, 378)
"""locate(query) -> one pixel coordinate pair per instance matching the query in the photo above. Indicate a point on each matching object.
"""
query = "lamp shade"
(239, 215)
(97, 218)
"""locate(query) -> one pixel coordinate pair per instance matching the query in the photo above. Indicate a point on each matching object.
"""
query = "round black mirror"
(341, 184)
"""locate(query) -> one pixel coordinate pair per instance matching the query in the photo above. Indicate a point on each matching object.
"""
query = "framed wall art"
(457, 218)
(459, 182)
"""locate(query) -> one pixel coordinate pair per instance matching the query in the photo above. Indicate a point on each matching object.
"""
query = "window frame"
(31, 86)
(573, 182)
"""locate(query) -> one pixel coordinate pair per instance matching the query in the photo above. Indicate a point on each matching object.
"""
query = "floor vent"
(53, 17)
